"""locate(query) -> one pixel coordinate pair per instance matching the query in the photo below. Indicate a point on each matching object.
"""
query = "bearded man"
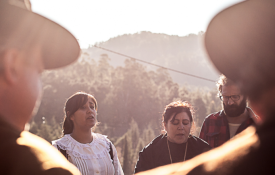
(235, 117)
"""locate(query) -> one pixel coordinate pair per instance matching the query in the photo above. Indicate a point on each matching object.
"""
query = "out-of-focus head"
(29, 43)
(80, 109)
(240, 42)
(224, 81)
(233, 101)
(177, 120)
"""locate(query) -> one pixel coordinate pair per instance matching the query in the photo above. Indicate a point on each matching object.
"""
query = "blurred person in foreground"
(235, 117)
(29, 43)
(240, 42)
(92, 153)
(177, 144)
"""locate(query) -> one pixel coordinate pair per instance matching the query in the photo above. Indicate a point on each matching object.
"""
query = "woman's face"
(85, 116)
(179, 129)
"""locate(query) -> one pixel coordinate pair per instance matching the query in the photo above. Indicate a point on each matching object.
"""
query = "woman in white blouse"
(91, 153)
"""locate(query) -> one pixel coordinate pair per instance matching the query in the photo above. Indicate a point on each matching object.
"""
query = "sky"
(93, 21)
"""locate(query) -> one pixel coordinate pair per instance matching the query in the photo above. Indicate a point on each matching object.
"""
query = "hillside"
(185, 54)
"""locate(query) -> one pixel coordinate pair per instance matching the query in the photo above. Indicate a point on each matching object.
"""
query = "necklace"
(170, 153)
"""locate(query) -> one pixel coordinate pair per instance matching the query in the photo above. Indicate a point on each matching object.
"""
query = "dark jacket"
(156, 153)
(23, 153)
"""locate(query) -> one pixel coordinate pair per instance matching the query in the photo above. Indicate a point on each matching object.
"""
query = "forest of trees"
(183, 53)
(130, 98)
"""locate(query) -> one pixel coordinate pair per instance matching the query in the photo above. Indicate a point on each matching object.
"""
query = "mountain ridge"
(182, 53)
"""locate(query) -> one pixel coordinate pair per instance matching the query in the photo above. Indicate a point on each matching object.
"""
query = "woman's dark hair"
(72, 104)
(175, 108)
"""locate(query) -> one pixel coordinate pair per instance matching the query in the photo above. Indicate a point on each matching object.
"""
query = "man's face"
(231, 106)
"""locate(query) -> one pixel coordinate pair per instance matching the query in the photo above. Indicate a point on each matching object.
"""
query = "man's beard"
(235, 110)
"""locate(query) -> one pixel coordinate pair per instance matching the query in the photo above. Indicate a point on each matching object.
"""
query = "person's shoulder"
(32, 154)
(44, 151)
(156, 139)
(60, 140)
(253, 116)
(154, 142)
(199, 141)
(98, 136)
(213, 116)
(103, 140)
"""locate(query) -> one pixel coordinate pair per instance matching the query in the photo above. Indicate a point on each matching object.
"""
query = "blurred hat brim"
(240, 41)
(59, 46)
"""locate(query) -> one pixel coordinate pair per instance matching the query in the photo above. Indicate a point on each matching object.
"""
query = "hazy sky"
(94, 21)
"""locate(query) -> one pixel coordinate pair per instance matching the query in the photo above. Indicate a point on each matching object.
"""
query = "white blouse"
(91, 158)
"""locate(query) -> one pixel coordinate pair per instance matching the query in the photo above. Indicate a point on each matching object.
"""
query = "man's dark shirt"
(215, 128)
(23, 153)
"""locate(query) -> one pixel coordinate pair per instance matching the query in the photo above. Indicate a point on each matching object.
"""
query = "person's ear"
(10, 65)
(70, 117)
(164, 125)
